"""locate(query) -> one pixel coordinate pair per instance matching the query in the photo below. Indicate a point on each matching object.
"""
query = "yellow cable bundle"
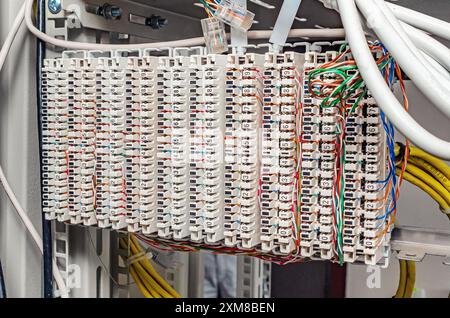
(139, 283)
(436, 162)
(402, 281)
(419, 183)
(432, 175)
(410, 279)
(436, 173)
(429, 173)
(407, 279)
(149, 282)
(429, 180)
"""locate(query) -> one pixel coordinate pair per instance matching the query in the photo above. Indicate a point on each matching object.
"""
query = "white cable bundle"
(425, 60)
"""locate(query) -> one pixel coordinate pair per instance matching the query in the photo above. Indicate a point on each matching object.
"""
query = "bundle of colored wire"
(187, 246)
(391, 183)
(423, 58)
(338, 83)
(149, 282)
(407, 279)
(427, 172)
(210, 6)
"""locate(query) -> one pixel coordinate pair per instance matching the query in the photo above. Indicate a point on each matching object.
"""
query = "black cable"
(2, 283)
(46, 225)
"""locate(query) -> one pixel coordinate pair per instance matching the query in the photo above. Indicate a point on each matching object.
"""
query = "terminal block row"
(227, 151)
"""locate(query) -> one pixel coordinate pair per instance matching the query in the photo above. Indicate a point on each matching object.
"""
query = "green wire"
(206, 5)
(341, 94)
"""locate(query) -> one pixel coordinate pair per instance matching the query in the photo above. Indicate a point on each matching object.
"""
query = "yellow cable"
(402, 280)
(148, 266)
(429, 180)
(437, 163)
(147, 278)
(156, 290)
(145, 263)
(145, 288)
(147, 284)
(436, 173)
(410, 279)
(150, 287)
(139, 284)
(419, 183)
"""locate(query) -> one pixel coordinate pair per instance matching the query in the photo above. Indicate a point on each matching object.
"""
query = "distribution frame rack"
(222, 150)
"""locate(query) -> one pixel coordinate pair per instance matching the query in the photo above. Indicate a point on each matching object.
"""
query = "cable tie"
(138, 257)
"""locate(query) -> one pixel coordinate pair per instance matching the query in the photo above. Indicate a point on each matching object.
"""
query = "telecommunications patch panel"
(206, 131)
(242, 148)
(279, 152)
(352, 224)
(229, 151)
(172, 147)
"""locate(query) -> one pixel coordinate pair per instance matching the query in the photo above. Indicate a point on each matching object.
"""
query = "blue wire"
(389, 128)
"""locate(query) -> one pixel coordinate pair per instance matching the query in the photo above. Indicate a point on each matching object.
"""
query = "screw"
(110, 12)
(156, 21)
(54, 6)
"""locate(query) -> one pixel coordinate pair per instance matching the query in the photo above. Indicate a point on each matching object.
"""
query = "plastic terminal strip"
(279, 152)
(212, 149)
(364, 168)
(103, 131)
(215, 36)
(318, 170)
(55, 102)
(242, 146)
(173, 145)
(145, 118)
(207, 125)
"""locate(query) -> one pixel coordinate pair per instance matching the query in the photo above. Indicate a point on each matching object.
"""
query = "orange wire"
(406, 155)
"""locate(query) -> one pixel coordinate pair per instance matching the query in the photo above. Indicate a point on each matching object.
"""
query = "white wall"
(415, 209)
(19, 158)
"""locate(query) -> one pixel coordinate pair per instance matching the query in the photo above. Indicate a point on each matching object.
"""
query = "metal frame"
(253, 278)
(178, 275)
(61, 252)
(196, 275)
(413, 243)
(74, 16)
(119, 267)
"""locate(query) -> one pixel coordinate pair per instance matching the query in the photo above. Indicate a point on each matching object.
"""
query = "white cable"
(300, 33)
(425, 42)
(329, 33)
(431, 62)
(442, 74)
(432, 86)
(33, 232)
(11, 35)
(330, 4)
(429, 45)
(12, 197)
(417, 19)
(422, 21)
(379, 89)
